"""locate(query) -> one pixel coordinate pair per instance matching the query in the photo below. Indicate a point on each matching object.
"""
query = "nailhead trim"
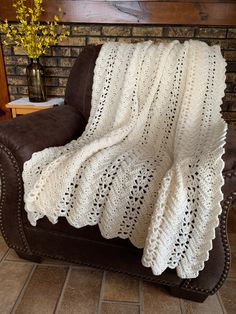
(2, 200)
(227, 202)
(19, 202)
(229, 173)
(187, 283)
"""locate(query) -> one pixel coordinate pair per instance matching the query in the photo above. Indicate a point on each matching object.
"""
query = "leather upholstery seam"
(19, 200)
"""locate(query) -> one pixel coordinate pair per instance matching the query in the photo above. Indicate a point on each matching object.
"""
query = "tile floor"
(61, 288)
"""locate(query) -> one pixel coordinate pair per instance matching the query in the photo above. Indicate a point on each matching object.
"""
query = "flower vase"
(36, 81)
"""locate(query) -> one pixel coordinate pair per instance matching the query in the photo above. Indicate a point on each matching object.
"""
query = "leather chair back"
(79, 86)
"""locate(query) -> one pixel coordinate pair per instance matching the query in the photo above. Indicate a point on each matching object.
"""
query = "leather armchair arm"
(33, 132)
(230, 149)
(229, 158)
(19, 139)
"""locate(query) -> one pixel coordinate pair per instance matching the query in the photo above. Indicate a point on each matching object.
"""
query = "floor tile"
(209, 306)
(119, 287)
(43, 290)
(158, 301)
(119, 308)
(82, 292)
(228, 296)
(232, 241)
(12, 256)
(12, 279)
(232, 271)
(3, 248)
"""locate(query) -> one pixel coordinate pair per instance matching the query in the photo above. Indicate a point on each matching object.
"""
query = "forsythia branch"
(29, 33)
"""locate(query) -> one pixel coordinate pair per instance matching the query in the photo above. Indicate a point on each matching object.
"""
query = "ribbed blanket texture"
(148, 166)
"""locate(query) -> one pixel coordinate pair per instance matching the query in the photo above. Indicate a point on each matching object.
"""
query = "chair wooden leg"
(188, 294)
(29, 257)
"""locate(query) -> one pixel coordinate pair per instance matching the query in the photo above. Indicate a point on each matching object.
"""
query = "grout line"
(58, 305)
(101, 293)
(221, 302)
(181, 305)
(121, 302)
(141, 301)
(21, 294)
(20, 262)
(4, 256)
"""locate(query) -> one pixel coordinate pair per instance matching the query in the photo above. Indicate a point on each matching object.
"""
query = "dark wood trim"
(4, 94)
(203, 12)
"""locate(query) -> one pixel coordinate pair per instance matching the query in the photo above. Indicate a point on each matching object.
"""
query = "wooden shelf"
(191, 12)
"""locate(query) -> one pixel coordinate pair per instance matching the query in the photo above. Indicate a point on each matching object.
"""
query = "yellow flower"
(30, 34)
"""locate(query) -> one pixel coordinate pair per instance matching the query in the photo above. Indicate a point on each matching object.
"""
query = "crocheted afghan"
(148, 166)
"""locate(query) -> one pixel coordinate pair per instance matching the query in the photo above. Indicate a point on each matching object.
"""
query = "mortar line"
(221, 302)
(58, 304)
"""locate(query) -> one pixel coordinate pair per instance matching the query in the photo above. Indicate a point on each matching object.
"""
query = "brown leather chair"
(20, 137)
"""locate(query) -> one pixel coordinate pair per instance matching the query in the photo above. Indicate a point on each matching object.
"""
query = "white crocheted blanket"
(148, 166)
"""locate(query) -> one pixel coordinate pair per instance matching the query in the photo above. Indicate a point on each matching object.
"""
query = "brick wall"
(60, 59)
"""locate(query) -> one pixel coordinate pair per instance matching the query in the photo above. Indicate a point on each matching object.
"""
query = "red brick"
(17, 80)
(57, 72)
(66, 62)
(12, 89)
(73, 41)
(231, 33)
(86, 30)
(20, 70)
(116, 30)
(211, 32)
(230, 55)
(152, 31)
(75, 51)
(56, 91)
(10, 70)
(61, 51)
(178, 31)
(97, 40)
(231, 67)
(22, 90)
(48, 61)
(51, 81)
(63, 82)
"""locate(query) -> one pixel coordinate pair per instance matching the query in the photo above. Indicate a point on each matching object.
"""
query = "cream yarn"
(148, 166)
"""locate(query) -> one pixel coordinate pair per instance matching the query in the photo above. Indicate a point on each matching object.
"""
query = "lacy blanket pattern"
(148, 166)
